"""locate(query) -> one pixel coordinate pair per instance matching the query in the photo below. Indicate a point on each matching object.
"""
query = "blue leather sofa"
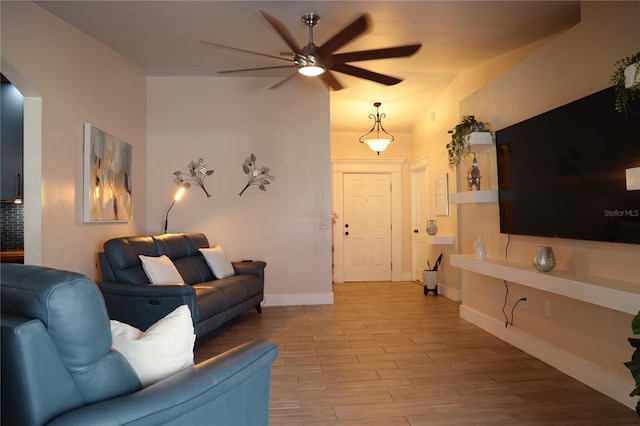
(58, 367)
(130, 298)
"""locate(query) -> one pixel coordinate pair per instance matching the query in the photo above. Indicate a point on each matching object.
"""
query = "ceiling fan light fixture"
(377, 138)
(308, 62)
(311, 70)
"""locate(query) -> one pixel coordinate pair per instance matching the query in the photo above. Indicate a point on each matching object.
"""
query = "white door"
(419, 216)
(367, 227)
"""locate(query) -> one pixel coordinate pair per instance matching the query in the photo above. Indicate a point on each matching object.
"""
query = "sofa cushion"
(234, 290)
(209, 299)
(252, 283)
(218, 262)
(217, 295)
(164, 349)
(160, 270)
(122, 254)
(182, 249)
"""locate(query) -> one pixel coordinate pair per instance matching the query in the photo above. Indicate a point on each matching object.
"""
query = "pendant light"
(377, 138)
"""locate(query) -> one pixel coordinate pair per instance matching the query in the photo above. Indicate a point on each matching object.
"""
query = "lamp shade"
(175, 198)
(378, 145)
(179, 193)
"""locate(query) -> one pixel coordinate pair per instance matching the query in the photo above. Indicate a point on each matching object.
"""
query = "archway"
(32, 164)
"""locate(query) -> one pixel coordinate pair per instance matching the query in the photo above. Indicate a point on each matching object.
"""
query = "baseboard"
(454, 294)
(450, 292)
(298, 299)
(578, 368)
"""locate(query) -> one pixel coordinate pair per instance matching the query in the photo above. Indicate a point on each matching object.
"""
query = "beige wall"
(574, 64)
(71, 79)
(224, 120)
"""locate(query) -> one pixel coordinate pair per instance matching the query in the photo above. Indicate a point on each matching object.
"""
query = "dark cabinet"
(11, 141)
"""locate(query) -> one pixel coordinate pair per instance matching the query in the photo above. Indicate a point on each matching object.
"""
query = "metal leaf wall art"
(260, 177)
(198, 171)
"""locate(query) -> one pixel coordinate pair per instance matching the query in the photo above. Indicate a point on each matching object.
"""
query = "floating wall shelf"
(441, 239)
(630, 76)
(474, 197)
(623, 296)
(480, 138)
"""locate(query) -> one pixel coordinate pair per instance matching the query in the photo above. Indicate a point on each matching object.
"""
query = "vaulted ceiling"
(163, 37)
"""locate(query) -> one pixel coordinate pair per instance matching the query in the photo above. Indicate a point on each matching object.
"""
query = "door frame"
(32, 171)
(421, 164)
(393, 167)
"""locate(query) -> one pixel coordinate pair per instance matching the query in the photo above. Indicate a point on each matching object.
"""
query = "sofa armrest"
(229, 389)
(253, 267)
(142, 305)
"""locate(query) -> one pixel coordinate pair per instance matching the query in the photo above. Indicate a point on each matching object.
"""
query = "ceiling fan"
(312, 60)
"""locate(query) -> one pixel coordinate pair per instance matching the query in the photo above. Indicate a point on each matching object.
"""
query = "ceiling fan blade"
(345, 35)
(244, 50)
(330, 81)
(366, 74)
(282, 31)
(284, 80)
(366, 55)
(254, 69)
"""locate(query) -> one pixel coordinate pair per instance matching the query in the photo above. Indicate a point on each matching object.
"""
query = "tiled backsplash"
(12, 223)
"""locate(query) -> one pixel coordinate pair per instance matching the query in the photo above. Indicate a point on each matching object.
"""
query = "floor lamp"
(175, 198)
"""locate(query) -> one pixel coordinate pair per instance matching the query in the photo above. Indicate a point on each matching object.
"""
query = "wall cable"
(508, 321)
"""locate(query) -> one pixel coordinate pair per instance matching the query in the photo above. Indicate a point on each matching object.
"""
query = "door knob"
(346, 225)
(415, 231)
(346, 233)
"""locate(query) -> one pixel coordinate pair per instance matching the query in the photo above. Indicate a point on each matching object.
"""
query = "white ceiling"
(163, 37)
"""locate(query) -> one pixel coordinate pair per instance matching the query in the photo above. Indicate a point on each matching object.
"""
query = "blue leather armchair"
(58, 366)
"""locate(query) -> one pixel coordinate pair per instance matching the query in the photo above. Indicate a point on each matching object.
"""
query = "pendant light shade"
(377, 138)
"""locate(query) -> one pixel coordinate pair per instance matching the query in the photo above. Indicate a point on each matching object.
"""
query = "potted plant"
(626, 91)
(634, 364)
(460, 136)
(430, 277)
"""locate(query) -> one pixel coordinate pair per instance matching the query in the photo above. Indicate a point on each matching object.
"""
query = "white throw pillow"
(218, 262)
(160, 270)
(164, 349)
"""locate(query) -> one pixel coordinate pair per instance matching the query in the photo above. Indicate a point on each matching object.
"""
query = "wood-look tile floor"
(384, 354)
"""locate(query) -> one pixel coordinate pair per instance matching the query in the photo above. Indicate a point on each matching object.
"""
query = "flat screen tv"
(562, 173)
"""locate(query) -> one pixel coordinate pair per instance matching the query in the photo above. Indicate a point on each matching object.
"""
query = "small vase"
(432, 228)
(544, 259)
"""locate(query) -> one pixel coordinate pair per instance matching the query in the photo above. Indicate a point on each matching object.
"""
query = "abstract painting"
(107, 177)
